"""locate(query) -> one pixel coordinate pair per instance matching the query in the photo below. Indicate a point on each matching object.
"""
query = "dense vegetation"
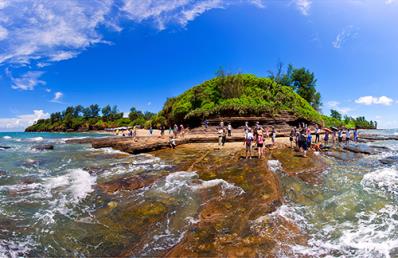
(80, 118)
(336, 119)
(226, 95)
(236, 95)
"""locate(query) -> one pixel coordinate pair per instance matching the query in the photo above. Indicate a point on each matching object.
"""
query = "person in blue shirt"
(340, 136)
(356, 134)
(309, 140)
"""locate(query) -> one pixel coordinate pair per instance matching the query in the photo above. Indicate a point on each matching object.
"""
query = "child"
(172, 142)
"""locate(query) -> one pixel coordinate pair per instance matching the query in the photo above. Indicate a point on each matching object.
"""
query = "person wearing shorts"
(248, 143)
(260, 143)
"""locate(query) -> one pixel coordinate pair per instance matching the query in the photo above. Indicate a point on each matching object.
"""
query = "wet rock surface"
(130, 183)
(363, 148)
(390, 160)
(43, 147)
(294, 164)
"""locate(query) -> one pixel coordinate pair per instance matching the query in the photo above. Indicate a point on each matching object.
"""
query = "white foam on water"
(181, 181)
(65, 192)
(7, 137)
(35, 139)
(112, 151)
(274, 165)
(384, 180)
(14, 249)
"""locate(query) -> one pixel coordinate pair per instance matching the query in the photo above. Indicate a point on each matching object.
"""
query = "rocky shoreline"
(243, 223)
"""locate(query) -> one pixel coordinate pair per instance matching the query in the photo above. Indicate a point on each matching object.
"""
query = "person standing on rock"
(162, 130)
(326, 137)
(175, 131)
(309, 139)
(317, 140)
(220, 132)
(182, 130)
(273, 132)
(347, 137)
(172, 142)
(291, 137)
(260, 142)
(229, 130)
(334, 136)
(303, 142)
(246, 129)
(224, 136)
(340, 136)
(356, 135)
(248, 143)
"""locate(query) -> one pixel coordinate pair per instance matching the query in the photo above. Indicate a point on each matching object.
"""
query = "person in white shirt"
(248, 143)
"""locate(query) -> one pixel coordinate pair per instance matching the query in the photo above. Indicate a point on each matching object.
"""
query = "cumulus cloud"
(57, 97)
(22, 121)
(370, 100)
(304, 6)
(336, 106)
(349, 32)
(43, 31)
(27, 81)
(46, 29)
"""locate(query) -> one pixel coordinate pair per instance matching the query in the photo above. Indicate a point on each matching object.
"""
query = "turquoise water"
(353, 212)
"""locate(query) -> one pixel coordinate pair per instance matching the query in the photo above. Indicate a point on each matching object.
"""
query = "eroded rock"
(43, 147)
(390, 160)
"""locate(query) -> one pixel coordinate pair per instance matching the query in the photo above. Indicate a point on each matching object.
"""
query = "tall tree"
(106, 112)
(301, 80)
(94, 110)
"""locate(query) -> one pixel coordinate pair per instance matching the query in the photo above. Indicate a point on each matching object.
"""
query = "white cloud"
(22, 121)
(3, 33)
(390, 1)
(164, 12)
(304, 6)
(333, 104)
(50, 30)
(349, 32)
(57, 97)
(27, 81)
(336, 106)
(36, 33)
(48, 90)
(370, 100)
(344, 110)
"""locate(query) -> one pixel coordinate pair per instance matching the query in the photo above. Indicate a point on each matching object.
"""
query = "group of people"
(257, 136)
(302, 137)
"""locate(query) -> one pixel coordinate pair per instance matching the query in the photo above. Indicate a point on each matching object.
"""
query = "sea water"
(50, 203)
(354, 211)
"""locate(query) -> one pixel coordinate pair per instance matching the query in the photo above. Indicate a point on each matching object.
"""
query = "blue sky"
(138, 53)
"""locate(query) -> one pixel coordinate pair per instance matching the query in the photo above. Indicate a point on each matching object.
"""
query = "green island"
(292, 93)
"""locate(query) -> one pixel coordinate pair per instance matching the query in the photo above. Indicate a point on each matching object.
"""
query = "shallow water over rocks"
(197, 200)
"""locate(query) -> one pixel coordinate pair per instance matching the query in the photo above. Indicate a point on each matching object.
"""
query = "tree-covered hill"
(226, 95)
(236, 95)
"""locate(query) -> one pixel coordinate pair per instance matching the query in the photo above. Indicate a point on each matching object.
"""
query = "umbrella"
(334, 129)
(327, 130)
